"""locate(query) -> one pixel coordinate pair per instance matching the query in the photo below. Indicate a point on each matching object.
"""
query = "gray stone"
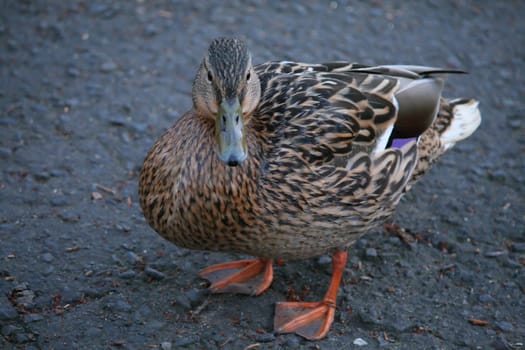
(42, 176)
(155, 274)
(58, 201)
(48, 257)
(165, 345)
(150, 30)
(324, 260)
(9, 329)
(195, 296)
(120, 305)
(93, 332)
(371, 253)
(21, 338)
(495, 254)
(5, 152)
(132, 258)
(486, 298)
(517, 247)
(504, 326)
(72, 72)
(68, 216)
(128, 274)
(7, 227)
(185, 341)
(183, 300)
(28, 318)
(292, 342)
(7, 311)
(108, 66)
(264, 337)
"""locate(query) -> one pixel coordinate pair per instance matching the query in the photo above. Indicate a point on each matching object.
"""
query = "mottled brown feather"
(312, 181)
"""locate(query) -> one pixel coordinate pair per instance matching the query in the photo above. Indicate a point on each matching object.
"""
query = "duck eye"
(248, 76)
(210, 77)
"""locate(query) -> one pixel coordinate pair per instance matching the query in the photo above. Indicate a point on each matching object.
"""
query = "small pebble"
(185, 341)
(501, 344)
(382, 341)
(292, 342)
(72, 72)
(504, 326)
(42, 176)
(9, 329)
(123, 227)
(513, 263)
(517, 247)
(132, 258)
(324, 260)
(7, 311)
(360, 342)
(494, 254)
(156, 324)
(119, 305)
(127, 275)
(196, 296)
(5, 152)
(32, 318)
(58, 173)
(70, 295)
(58, 201)
(486, 298)
(93, 332)
(108, 66)
(7, 227)
(150, 30)
(371, 253)
(155, 274)
(183, 301)
(20, 338)
(47, 257)
(69, 217)
(97, 292)
(49, 270)
(116, 260)
(361, 243)
(165, 345)
(264, 337)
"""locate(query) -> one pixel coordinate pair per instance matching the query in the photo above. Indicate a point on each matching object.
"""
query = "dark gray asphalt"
(85, 89)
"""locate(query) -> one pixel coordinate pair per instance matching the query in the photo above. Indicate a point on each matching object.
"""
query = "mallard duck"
(293, 160)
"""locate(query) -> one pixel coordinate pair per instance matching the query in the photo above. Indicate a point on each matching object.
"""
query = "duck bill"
(229, 132)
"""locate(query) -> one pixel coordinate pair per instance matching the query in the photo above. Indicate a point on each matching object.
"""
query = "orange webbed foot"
(250, 276)
(312, 320)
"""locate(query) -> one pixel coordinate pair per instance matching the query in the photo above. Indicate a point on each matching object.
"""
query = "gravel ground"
(87, 86)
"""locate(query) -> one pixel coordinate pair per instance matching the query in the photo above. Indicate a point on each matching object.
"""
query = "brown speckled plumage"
(312, 181)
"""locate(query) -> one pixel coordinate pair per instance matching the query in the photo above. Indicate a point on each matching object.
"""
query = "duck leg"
(250, 276)
(312, 320)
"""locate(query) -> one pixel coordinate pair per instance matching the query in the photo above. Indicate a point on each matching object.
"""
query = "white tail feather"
(465, 121)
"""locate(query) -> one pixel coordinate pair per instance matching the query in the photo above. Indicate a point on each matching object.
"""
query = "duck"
(291, 160)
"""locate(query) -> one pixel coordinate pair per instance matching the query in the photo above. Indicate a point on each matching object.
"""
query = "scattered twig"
(400, 232)
(73, 248)
(478, 322)
(106, 189)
